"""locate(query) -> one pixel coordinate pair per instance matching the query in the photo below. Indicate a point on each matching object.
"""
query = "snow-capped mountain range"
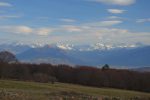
(89, 47)
(94, 55)
(64, 46)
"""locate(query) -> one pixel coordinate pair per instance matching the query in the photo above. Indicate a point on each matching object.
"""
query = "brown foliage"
(114, 78)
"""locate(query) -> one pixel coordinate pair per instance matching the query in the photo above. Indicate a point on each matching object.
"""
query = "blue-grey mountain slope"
(132, 57)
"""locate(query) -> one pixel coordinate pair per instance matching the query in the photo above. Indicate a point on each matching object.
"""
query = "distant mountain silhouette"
(47, 54)
(7, 57)
(117, 57)
(14, 48)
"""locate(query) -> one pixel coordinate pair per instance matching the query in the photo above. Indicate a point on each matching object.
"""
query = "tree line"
(84, 75)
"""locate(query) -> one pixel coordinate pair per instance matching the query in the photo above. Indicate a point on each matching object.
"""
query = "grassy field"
(17, 90)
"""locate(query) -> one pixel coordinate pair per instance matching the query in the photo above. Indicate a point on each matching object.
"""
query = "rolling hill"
(17, 90)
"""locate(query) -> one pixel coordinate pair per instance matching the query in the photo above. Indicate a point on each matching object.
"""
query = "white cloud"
(116, 11)
(67, 20)
(81, 34)
(116, 2)
(114, 18)
(25, 30)
(9, 16)
(110, 23)
(96, 32)
(85, 26)
(92, 34)
(16, 29)
(70, 28)
(43, 31)
(106, 23)
(143, 20)
(4, 4)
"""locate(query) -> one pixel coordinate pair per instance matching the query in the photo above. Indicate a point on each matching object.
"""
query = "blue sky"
(111, 22)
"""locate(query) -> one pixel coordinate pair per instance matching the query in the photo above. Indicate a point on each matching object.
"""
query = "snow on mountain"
(94, 54)
(65, 46)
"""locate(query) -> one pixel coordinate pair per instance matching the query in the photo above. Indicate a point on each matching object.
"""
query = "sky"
(111, 22)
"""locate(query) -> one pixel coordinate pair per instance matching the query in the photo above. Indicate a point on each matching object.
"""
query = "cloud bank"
(116, 2)
(116, 11)
(67, 20)
(9, 16)
(143, 20)
(5, 4)
(25, 30)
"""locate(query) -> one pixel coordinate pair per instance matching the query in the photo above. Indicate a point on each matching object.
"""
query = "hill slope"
(47, 91)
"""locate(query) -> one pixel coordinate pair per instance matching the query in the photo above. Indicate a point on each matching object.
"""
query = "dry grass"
(15, 90)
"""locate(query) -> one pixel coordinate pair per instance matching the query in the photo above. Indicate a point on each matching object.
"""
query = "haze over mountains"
(91, 55)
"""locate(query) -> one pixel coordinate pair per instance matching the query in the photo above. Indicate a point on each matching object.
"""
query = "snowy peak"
(65, 46)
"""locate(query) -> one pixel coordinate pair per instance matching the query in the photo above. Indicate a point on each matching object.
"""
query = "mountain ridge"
(133, 56)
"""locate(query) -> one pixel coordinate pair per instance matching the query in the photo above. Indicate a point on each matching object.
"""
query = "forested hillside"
(84, 75)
